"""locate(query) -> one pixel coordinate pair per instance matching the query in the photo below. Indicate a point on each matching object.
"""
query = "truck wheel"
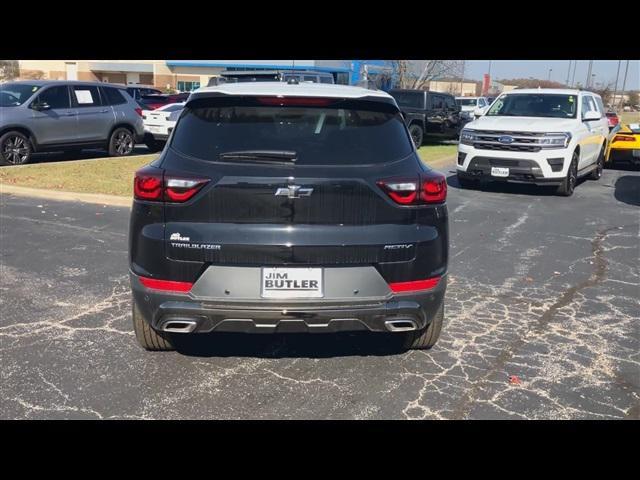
(426, 338)
(597, 173)
(15, 149)
(121, 142)
(416, 134)
(567, 186)
(147, 337)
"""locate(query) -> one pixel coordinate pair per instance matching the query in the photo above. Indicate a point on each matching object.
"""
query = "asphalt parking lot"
(542, 322)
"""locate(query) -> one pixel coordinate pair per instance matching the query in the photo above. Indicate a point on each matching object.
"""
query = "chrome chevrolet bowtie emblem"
(294, 191)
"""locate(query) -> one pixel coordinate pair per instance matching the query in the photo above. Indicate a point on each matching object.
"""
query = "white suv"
(539, 136)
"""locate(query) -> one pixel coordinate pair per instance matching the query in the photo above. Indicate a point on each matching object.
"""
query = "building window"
(188, 86)
(342, 78)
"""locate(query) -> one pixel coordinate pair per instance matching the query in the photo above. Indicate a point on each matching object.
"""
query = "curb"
(101, 199)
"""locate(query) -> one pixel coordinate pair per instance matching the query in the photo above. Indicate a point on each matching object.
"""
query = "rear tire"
(417, 135)
(154, 146)
(121, 142)
(15, 149)
(597, 173)
(147, 337)
(427, 337)
(568, 185)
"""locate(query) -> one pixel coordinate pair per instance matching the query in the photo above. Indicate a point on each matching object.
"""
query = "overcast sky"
(605, 70)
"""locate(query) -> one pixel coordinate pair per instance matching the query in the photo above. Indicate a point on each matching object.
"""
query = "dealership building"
(185, 75)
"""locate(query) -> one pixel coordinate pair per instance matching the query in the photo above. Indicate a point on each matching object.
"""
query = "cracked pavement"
(543, 288)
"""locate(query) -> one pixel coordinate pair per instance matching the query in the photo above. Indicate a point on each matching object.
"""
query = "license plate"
(292, 283)
(155, 129)
(636, 153)
(499, 172)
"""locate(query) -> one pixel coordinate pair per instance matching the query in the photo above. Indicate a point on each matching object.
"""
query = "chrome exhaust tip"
(401, 325)
(179, 326)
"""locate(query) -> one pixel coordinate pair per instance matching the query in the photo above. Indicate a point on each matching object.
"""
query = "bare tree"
(9, 69)
(416, 74)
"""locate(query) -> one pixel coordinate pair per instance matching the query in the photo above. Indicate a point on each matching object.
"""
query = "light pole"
(549, 76)
(573, 78)
(624, 84)
(615, 91)
(568, 73)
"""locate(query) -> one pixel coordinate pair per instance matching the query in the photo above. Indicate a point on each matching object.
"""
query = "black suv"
(288, 208)
(431, 113)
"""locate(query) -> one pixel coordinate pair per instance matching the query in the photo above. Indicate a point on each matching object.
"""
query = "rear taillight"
(180, 190)
(426, 189)
(147, 184)
(165, 285)
(624, 138)
(414, 285)
(151, 184)
(139, 111)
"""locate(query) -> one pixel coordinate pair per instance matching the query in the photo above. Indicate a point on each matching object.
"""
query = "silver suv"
(43, 115)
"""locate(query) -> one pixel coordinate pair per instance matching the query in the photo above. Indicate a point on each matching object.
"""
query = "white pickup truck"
(539, 136)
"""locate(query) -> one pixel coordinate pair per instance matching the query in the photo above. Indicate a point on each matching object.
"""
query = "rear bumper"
(254, 315)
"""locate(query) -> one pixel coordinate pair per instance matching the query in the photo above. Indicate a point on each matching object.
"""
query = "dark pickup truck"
(428, 113)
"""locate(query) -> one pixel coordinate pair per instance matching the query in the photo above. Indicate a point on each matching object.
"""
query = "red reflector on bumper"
(166, 285)
(414, 286)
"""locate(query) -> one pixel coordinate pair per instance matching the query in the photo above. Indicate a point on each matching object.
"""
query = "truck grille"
(522, 141)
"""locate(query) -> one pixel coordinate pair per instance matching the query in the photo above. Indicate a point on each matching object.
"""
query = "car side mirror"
(41, 106)
(478, 112)
(591, 115)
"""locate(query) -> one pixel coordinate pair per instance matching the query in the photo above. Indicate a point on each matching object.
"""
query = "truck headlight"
(559, 140)
(467, 137)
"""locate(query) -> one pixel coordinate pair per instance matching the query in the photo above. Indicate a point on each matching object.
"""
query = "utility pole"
(588, 84)
(462, 77)
(573, 78)
(624, 84)
(615, 91)
(549, 76)
(568, 73)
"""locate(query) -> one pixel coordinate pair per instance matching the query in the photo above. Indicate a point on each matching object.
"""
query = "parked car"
(235, 76)
(469, 104)
(624, 144)
(612, 119)
(159, 123)
(138, 91)
(425, 112)
(539, 136)
(151, 102)
(282, 207)
(44, 115)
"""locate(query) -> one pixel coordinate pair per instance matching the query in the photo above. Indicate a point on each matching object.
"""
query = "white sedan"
(159, 123)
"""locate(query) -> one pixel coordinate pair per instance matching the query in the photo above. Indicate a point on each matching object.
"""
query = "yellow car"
(624, 144)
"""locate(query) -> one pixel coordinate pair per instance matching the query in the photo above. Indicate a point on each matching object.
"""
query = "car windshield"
(466, 102)
(535, 105)
(353, 135)
(13, 95)
(409, 99)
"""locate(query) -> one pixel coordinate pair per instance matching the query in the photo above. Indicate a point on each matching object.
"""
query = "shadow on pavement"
(303, 345)
(46, 157)
(504, 187)
(628, 189)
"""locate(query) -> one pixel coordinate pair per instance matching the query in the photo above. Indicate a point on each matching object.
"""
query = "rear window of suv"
(343, 133)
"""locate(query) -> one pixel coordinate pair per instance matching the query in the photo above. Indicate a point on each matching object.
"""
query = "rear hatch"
(300, 181)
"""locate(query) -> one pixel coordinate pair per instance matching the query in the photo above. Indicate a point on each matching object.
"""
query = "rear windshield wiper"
(287, 156)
